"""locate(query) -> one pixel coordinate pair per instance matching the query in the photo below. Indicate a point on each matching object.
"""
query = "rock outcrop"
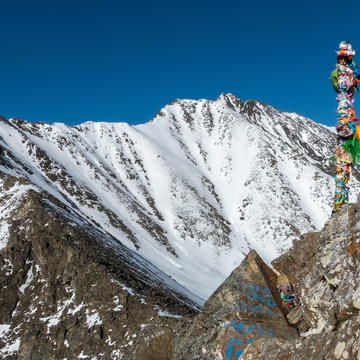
(328, 281)
(68, 291)
(243, 309)
(244, 318)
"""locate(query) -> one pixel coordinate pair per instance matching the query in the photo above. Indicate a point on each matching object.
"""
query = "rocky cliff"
(244, 308)
(325, 271)
(66, 293)
(245, 318)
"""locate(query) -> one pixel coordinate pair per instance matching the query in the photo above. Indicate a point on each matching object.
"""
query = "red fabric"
(342, 56)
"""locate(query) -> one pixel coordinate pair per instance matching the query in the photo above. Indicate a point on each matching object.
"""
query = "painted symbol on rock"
(253, 293)
(238, 353)
(249, 332)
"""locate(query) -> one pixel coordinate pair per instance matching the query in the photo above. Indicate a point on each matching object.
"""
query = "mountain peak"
(192, 191)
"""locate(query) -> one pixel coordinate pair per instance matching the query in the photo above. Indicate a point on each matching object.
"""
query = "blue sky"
(76, 61)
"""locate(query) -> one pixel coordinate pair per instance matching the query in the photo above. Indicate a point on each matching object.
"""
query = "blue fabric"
(356, 72)
(351, 125)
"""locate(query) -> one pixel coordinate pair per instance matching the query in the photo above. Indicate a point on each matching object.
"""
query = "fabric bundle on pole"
(346, 154)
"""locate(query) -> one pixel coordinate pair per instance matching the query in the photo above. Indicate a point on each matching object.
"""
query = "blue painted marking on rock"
(239, 353)
(235, 341)
(229, 351)
(253, 298)
(240, 328)
(254, 292)
(270, 299)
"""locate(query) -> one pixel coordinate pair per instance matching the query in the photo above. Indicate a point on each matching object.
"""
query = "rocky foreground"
(68, 294)
(245, 319)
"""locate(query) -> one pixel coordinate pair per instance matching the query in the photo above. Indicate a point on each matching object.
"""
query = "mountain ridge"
(193, 189)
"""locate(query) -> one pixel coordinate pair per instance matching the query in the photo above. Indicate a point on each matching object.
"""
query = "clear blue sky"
(75, 61)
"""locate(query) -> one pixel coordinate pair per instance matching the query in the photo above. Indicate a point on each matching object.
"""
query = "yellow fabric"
(357, 133)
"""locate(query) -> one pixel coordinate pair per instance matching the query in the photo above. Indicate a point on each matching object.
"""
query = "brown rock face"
(340, 344)
(243, 309)
(297, 263)
(68, 290)
(325, 268)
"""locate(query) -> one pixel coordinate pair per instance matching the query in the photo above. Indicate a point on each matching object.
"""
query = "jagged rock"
(297, 263)
(325, 268)
(244, 308)
(300, 318)
(341, 344)
(68, 290)
(332, 286)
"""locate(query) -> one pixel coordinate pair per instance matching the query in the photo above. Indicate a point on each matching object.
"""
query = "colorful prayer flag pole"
(345, 79)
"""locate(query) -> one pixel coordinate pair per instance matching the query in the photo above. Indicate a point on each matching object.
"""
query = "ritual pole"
(345, 79)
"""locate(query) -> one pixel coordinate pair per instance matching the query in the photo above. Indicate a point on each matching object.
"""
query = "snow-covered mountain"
(192, 190)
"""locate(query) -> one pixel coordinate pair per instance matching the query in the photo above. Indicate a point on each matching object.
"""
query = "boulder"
(243, 309)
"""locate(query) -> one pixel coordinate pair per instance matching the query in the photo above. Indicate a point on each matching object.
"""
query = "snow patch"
(8, 267)
(165, 313)
(92, 319)
(82, 356)
(4, 330)
(29, 278)
(10, 349)
(76, 309)
(116, 301)
(108, 341)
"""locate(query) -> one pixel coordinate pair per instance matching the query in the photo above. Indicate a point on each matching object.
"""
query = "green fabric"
(286, 298)
(352, 147)
(334, 79)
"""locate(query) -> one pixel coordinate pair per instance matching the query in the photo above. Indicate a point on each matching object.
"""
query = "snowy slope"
(192, 190)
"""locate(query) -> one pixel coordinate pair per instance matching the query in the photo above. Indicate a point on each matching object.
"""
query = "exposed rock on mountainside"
(193, 190)
(243, 309)
(66, 293)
